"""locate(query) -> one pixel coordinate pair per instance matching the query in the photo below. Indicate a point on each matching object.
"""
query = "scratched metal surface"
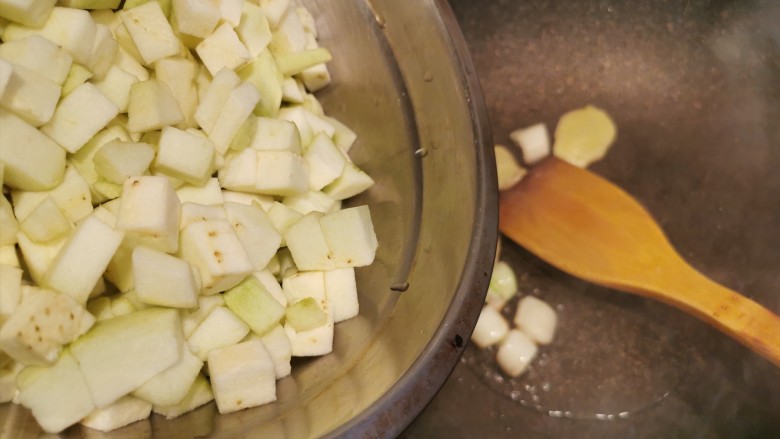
(694, 87)
(427, 164)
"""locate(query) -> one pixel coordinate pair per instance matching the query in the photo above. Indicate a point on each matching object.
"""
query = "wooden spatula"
(590, 228)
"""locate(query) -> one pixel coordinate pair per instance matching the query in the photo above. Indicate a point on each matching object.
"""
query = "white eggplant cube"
(240, 171)
(222, 49)
(350, 236)
(196, 17)
(6, 70)
(306, 314)
(230, 11)
(253, 28)
(214, 248)
(316, 78)
(209, 194)
(274, 10)
(298, 115)
(281, 173)
(128, 62)
(271, 285)
(214, 98)
(292, 91)
(10, 290)
(124, 411)
(264, 74)
(219, 329)
(9, 226)
(41, 324)
(191, 319)
(242, 376)
(71, 195)
(104, 49)
(31, 13)
(79, 116)
(77, 76)
(304, 284)
(32, 161)
(185, 156)
(256, 232)
(533, 141)
(326, 162)
(152, 106)
(119, 355)
(162, 279)
(341, 293)
(314, 115)
(83, 259)
(194, 212)
(39, 54)
(8, 256)
(179, 75)
(317, 341)
(83, 159)
(312, 201)
(278, 346)
(170, 386)
(307, 21)
(351, 182)
(46, 222)
(149, 207)
(289, 34)
(307, 244)
(199, 393)
(73, 30)
(282, 264)
(258, 308)
(30, 95)
(295, 63)
(536, 318)
(491, 328)
(265, 201)
(117, 160)
(38, 256)
(275, 135)
(515, 353)
(238, 107)
(150, 31)
(343, 136)
(58, 396)
(8, 372)
(282, 217)
(116, 86)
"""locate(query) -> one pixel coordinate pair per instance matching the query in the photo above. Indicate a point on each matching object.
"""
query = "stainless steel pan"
(694, 86)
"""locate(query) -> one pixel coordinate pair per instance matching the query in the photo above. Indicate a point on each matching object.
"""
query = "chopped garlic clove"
(536, 318)
(583, 136)
(533, 141)
(516, 353)
(491, 328)
(509, 171)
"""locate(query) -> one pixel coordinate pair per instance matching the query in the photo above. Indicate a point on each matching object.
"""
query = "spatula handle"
(743, 319)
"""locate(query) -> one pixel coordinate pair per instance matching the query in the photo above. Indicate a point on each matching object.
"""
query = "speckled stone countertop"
(694, 87)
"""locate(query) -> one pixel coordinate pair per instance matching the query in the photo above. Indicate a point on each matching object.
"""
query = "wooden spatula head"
(583, 224)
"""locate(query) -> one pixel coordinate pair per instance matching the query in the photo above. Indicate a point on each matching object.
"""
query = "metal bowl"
(403, 81)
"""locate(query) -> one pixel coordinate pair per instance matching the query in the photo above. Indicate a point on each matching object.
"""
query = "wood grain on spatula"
(590, 228)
